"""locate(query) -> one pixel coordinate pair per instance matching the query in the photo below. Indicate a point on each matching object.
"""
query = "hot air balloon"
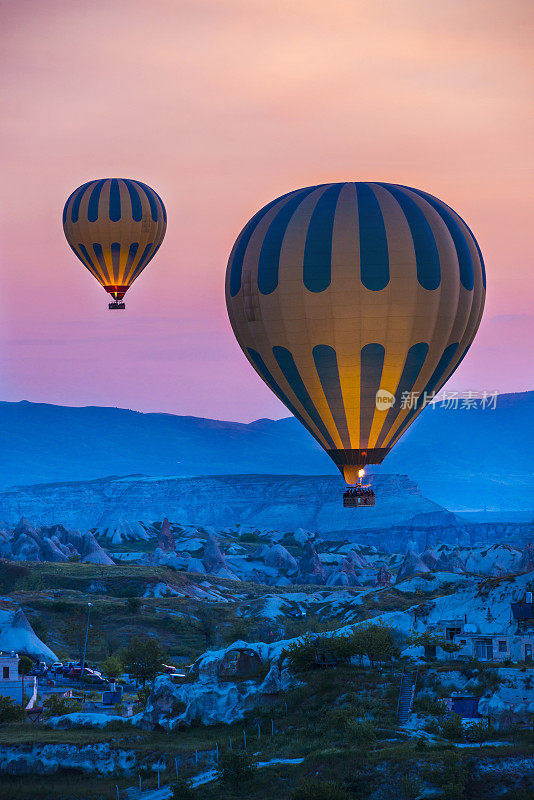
(355, 302)
(115, 226)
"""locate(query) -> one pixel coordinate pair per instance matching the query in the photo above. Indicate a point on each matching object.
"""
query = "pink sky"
(221, 105)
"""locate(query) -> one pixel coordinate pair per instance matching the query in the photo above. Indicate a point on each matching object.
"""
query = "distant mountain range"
(283, 502)
(463, 459)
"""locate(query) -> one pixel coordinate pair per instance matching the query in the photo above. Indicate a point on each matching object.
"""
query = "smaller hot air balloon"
(115, 226)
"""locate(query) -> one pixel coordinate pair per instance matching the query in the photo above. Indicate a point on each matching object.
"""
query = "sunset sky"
(222, 105)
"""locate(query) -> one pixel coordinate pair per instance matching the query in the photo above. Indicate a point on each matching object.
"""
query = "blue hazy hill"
(462, 459)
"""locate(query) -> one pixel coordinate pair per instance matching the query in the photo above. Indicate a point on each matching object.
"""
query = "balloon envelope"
(115, 226)
(355, 302)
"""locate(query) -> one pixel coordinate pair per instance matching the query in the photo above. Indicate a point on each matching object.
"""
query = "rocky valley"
(287, 645)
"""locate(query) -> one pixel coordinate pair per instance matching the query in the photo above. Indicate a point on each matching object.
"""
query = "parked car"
(57, 666)
(39, 669)
(95, 680)
(74, 672)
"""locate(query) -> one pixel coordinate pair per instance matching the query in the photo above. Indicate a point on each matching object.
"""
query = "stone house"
(490, 645)
(523, 613)
(493, 646)
(14, 685)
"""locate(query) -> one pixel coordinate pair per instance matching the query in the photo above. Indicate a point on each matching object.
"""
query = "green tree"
(450, 648)
(112, 667)
(300, 655)
(10, 711)
(378, 643)
(143, 659)
(25, 665)
(428, 639)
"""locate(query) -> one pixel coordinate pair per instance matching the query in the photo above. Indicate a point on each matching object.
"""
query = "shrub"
(407, 786)
(143, 695)
(319, 790)
(452, 728)
(10, 711)
(133, 604)
(344, 721)
(478, 731)
(360, 782)
(11, 575)
(236, 768)
(57, 706)
(489, 679)
(424, 704)
(238, 629)
(362, 733)
(421, 744)
(432, 726)
(182, 789)
(452, 775)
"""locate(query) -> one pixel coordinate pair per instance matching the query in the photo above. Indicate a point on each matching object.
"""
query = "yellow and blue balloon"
(115, 226)
(350, 298)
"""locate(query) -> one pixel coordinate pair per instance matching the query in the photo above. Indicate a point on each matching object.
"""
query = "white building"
(494, 646)
(14, 685)
(483, 645)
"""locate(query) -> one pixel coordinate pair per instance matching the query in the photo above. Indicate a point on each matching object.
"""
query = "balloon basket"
(358, 496)
(113, 306)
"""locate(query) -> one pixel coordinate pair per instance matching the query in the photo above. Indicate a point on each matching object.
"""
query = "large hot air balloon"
(355, 302)
(115, 226)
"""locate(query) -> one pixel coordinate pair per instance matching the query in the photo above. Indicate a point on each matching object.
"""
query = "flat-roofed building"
(21, 688)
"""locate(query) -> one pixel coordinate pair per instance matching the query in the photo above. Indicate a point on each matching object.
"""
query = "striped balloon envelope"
(115, 226)
(355, 302)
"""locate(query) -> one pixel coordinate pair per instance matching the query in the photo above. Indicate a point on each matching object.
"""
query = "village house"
(21, 688)
(447, 628)
(523, 613)
(494, 646)
(489, 645)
